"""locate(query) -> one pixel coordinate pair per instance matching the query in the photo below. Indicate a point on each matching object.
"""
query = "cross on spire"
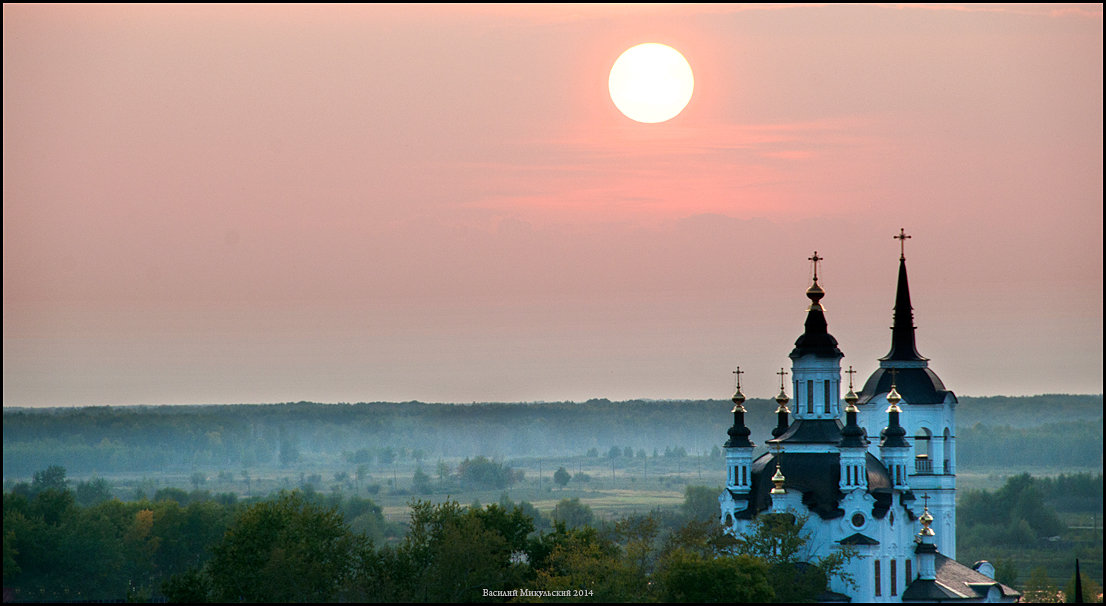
(816, 259)
(782, 373)
(894, 371)
(925, 498)
(850, 372)
(738, 372)
(902, 238)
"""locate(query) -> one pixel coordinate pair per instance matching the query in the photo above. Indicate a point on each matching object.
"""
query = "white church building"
(876, 470)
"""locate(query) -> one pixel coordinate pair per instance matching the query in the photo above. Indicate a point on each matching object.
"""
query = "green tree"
(561, 477)
(1092, 591)
(284, 550)
(1006, 572)
(701, 503)
(95, 490)
(481, 472)
(780, 540)
(1040, 589)
(289, 452)
(421, 481)
(579, 558)
(693, 578)
(198, 479)
(51, 478)
(450, 554)
(572, 513)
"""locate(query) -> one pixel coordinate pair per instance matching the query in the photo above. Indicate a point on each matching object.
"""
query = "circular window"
(858, 519)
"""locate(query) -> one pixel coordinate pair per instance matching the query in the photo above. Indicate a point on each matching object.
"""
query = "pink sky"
(218, 204)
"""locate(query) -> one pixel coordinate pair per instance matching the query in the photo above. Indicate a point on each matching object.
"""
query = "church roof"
(858, 539)
(954, 581)
(816, 476)
(916, 385)
(811, 431)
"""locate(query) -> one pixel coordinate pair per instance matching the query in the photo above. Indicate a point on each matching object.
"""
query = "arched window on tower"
(923, 451)
(810, 397)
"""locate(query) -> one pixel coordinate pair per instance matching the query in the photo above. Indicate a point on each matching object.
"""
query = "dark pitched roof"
(955, 581)
(816, 476)
(812, 431)
(858, 539)
(918, 385)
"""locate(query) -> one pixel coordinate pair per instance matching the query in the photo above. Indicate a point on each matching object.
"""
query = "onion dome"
(894, 398)
(926, 519)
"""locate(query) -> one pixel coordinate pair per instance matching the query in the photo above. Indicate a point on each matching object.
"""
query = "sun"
(651, 83)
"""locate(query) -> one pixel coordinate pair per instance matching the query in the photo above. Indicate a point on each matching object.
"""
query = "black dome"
(917, 385)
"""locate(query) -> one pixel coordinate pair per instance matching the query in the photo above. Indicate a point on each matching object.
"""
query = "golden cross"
(902, 238)
(781, 373)
(739, 372)
(850, 372)
(894, 371)
(816, 259)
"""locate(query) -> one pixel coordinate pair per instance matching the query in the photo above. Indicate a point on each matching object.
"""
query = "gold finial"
(782, 398)
(738, 397)
(778, 478)
(851, 397)
(902, 238)
(893, 396)
(815, 292)
(926, 519)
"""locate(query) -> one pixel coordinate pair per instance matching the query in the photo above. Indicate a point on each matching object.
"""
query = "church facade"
(875, 470)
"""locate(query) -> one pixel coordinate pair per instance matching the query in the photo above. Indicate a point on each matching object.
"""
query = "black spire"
(893, 436)
(816, 339)
(781, 410)
(852, 435)
(902, 333)
(739, 433)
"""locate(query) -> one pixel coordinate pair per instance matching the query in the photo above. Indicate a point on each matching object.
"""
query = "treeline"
(302, 547)
(98, 440)
(1019, 527)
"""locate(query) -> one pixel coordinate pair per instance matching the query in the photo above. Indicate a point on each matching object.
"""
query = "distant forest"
(98, 440)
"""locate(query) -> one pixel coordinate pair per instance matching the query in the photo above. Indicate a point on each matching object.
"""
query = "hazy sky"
(220, 204)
